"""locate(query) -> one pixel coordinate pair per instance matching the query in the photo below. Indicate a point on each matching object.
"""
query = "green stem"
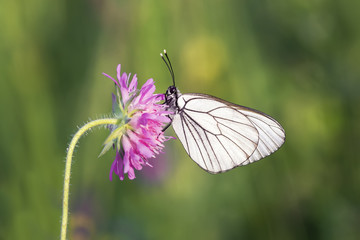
(69, 155)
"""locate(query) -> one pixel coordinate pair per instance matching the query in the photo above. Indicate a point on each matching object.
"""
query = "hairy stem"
(70, 151)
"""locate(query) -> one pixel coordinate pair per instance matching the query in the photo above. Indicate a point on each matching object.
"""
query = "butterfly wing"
(219, 135)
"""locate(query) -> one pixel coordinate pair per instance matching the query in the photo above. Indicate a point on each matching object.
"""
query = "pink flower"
(138, 135)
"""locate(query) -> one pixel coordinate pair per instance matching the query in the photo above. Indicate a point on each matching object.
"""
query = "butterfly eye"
(171, 90)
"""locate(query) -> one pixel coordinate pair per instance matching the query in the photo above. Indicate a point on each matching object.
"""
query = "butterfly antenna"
(168, 64)
(172, 70)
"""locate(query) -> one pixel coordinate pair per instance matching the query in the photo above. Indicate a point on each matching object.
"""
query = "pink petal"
(117, 166)
(135, 160)
(133, 83)
(118, 70)
(131, 174)
(106, 75)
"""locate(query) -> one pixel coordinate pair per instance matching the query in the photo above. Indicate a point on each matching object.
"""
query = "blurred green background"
(295, 60)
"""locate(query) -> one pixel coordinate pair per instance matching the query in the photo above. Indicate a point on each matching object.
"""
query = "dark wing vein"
(207, 138)
(270, 137)
(194, 127)
(216, 135)
(209, 112)
(192, 121)
(231, 120)
(276, 132)
(237, 133)
(183, 128)
(246, 154)
(264, 115)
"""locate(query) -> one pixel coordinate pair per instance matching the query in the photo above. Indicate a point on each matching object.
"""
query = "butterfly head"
(171, 96)
(171, 91)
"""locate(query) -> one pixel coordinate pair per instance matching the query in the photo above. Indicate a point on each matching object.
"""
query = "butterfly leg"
(166, 127)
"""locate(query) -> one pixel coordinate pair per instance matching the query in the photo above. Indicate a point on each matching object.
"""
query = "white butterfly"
(219, 135)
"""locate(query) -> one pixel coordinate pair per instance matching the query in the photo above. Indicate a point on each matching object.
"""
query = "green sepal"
(131, 99)
(120, 104)
(114, 135)
(118, 113)
(105, 149)
(131, 114)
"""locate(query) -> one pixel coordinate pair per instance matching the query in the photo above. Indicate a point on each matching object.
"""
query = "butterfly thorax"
(171, 96)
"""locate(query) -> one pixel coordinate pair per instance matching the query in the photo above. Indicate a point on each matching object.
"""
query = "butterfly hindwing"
(219, 135)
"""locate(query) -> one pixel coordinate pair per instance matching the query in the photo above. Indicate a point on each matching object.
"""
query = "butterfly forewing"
(219, 135)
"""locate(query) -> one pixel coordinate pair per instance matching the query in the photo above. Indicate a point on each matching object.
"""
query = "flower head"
(138, 134)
